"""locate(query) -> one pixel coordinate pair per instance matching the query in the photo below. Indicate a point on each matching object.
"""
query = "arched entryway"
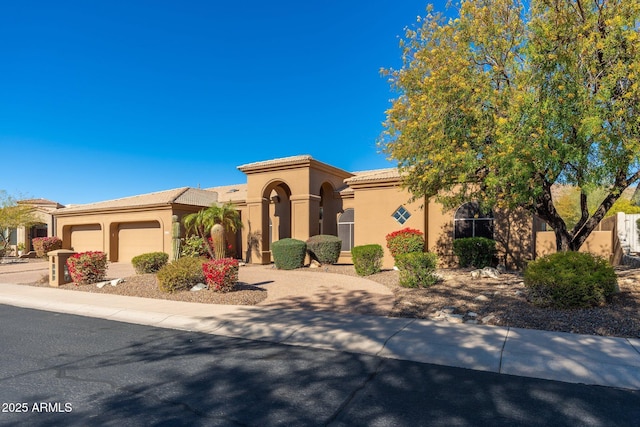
(278, 197)
(329, 208)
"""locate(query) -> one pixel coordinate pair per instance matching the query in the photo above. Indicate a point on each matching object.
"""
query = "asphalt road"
(59, 369)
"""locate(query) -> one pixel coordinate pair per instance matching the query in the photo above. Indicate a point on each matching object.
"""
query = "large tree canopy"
(512, 97)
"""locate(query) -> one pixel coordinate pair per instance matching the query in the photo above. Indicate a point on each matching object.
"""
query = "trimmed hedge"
(367, 259)
(324, 248)
(221, 274)
(87, 267)
(417, 269)
(181, 274)
(570, 280)
(405, 241)
(478, 252)
(43, 245)
(150, 262)
(288, 253)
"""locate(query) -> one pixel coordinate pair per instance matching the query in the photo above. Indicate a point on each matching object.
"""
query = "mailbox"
(58, 271)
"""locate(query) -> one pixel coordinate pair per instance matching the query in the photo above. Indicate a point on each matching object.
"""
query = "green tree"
(512, 97)
(12, 216)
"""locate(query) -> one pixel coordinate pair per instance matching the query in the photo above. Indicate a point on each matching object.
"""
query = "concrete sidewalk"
(613, 362)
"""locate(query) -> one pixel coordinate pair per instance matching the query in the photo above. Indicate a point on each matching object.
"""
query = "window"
(401, 215)
(345, 229)
(470, 221)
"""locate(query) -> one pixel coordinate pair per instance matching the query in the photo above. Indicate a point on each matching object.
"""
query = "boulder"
(199, 287)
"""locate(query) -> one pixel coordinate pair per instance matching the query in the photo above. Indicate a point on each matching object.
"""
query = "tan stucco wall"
(374, 207)
(598, 243)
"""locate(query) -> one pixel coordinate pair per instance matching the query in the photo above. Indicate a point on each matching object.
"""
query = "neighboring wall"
(603, 241)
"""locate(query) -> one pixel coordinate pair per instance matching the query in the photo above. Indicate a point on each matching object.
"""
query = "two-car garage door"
(134, 238)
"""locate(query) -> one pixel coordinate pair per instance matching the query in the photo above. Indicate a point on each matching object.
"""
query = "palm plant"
(214, 220)
(200, 222)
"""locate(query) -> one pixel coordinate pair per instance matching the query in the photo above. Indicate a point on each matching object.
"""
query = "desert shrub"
(405, 241)
(478, 252)
(181, 274)
(221, 274)
(417, 269)
(43, 245)
(367, 259)
(150, 262)
(570, 280)
(324, 248)
(193, 246)
(289, 253)
(87, 267)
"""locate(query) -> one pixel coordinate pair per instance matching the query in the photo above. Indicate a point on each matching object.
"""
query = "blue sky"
(108, 99)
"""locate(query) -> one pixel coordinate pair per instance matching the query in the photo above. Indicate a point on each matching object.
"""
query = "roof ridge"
(184, 190)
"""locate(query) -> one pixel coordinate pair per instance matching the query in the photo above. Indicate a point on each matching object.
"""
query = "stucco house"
(42, 210)
(296, 197)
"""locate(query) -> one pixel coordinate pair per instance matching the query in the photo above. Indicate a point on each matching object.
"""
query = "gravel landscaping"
(458, 298)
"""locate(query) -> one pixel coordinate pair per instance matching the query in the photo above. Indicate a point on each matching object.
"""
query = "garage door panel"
(137, 238)
(86, 238)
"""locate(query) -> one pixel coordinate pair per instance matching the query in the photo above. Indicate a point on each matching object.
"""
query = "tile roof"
(183, 195)
(276, 162)
(39, 202)
(374, 175)
(230, 193)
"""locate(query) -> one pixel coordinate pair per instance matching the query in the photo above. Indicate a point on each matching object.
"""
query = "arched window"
(470, 221)
(345, 229)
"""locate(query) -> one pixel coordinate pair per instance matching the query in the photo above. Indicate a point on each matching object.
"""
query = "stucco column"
(305, 214)
(257, 224)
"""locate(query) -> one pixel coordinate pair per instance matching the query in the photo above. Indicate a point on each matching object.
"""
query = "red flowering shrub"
(42, 245)
(405, 241)
(87, 267)
(221, 274)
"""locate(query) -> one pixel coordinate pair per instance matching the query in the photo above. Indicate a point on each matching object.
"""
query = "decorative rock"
(520, 294)
(113, 283)
(199, 287)
(448, 310)
(472, 314)
(455, 318)
(489, 272)
(471, 321)
(314, 264)
(487, 319)
(481, 298)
